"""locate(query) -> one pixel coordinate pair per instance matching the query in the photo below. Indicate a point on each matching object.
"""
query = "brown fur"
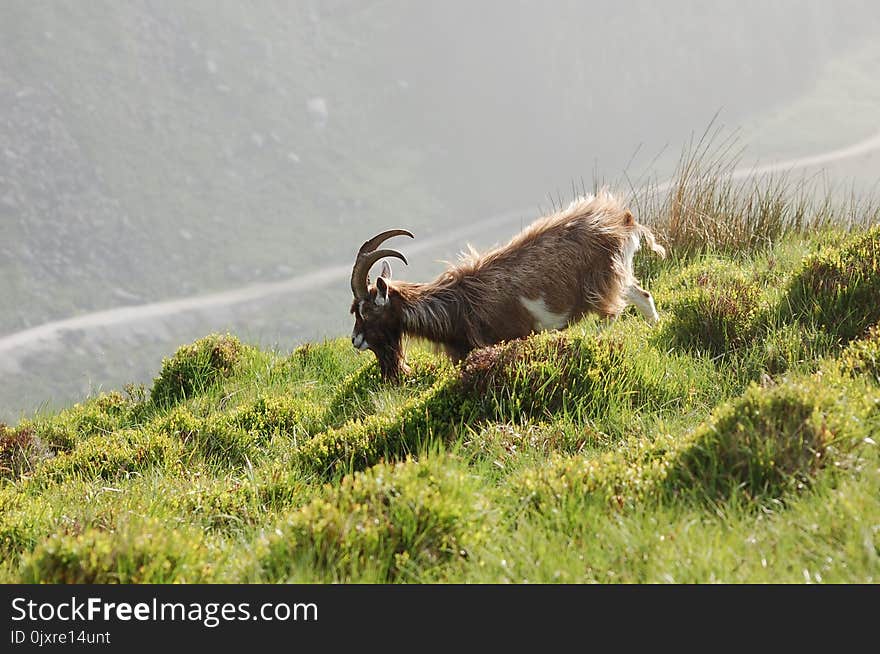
(573, 260)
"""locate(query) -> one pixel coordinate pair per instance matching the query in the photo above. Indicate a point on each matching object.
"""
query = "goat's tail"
(648, 235)
(641, 231)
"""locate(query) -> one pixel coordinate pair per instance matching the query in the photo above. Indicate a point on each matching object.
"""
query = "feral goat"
(558, 269)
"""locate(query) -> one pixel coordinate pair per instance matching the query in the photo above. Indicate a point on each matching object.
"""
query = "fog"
(171, 169)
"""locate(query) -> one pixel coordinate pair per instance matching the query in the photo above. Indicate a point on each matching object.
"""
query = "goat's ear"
(386, 270)
(382, 290)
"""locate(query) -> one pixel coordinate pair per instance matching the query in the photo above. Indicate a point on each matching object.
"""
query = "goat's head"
(378, 320)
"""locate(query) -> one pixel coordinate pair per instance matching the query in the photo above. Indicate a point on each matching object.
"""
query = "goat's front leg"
(457, 353)
(643, 301)
(605, 322)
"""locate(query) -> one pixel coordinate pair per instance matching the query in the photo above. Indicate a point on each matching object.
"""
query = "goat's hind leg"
(643, 301)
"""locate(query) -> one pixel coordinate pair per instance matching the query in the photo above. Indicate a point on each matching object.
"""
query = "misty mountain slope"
(841, 105)
(182, 148)
(60, 224)
(221, 171)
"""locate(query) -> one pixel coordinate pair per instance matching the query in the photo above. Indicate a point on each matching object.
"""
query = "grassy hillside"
(736, 441)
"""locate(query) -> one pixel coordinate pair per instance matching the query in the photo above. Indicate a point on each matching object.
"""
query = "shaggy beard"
(391, 360)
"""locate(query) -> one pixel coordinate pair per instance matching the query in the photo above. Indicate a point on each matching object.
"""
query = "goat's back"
(559, 268)
(575, 259)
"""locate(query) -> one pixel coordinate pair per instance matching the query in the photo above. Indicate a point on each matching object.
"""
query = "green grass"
(736, 441)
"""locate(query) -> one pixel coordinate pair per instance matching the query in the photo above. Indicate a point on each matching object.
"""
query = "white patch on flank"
(644, 302)
(544, 318)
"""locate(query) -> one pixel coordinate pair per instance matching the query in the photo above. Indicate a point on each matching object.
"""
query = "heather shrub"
(837, 288)
(862, 357)
(712, 307)
(386, 521)
(196, 367)
(144, 551)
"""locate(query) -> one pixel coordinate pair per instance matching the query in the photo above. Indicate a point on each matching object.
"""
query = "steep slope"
(736, 442)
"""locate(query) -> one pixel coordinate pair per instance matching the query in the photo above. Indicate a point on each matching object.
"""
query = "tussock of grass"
(360, 443)
(41, 439)
(279, 416)
(239, 500)
(20, 451)
(792, 347)
(110, 457)
(361, 392)
(23, 520)
(759, 446)
(710, 208)
(215, 439)
(503, 443)
(549, 375)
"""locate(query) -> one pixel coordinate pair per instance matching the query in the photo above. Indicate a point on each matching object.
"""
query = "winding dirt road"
(15, 346)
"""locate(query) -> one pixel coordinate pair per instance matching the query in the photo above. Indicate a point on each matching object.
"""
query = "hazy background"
(158, 150)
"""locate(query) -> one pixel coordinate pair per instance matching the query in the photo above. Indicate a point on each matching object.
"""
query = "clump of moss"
(837, 288)
(145, 552)
(196, 367)
(862, 356)
(713, 307)
(386, 521)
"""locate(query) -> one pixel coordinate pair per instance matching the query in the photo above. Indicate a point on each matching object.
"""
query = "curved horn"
(368, 255)
(379, 239)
